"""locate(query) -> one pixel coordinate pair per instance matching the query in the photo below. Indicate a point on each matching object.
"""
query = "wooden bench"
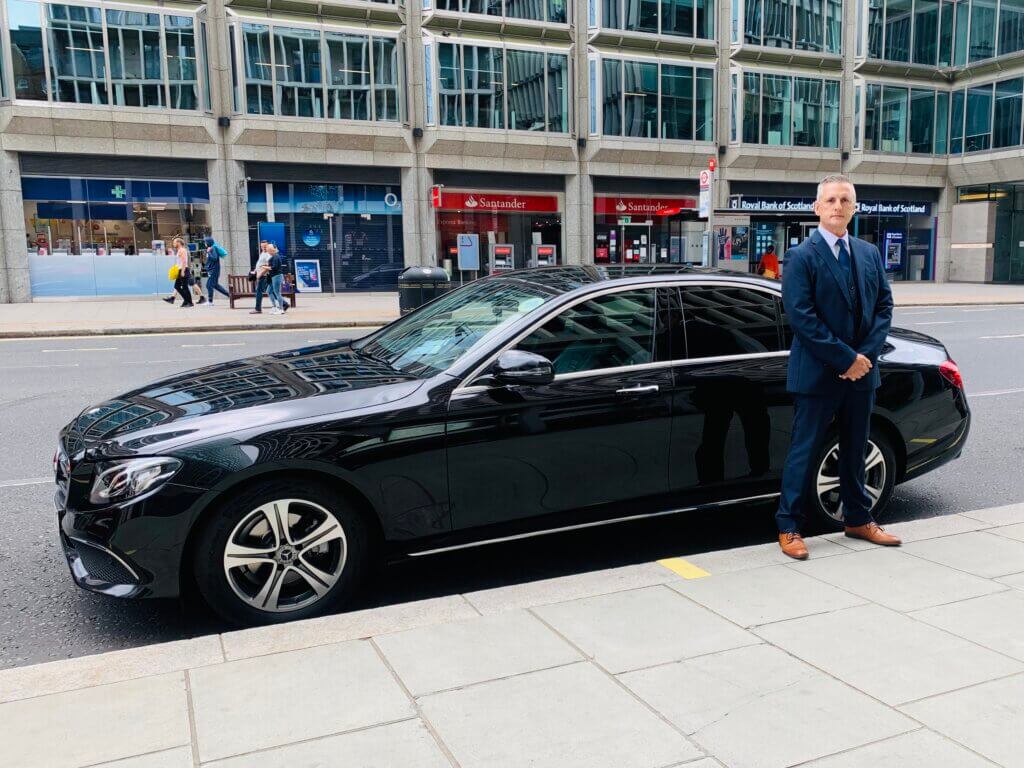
(240, 287)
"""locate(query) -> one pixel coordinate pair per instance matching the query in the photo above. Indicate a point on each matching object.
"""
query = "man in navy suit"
(839, 307)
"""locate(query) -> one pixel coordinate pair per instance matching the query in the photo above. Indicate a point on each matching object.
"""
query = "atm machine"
(502, 257)
(543, 255)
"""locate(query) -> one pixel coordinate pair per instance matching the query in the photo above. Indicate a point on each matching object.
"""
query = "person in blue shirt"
(214, 253)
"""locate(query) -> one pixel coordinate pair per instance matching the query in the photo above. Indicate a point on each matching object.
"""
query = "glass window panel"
(807, 113)
(830, 124)
(486, 7)
(752, 22)
(734, 87)
(232, 33)
(641, 92)
(705, 19)
(1011, 26)
(834, 26)
(298, 69)
(705, 113)
(894, 119)
(259, 85)
(729, 321)
(606, 332)
(676, 102)
(611, 14)
(922, 120)
(1007, 121)
(963, 10)
(484, 86)
(810, 25)
(449, 59)
(778, 23)
(872, 117)
(876, 10)
(946, 13)
(525, 90)
(386, 70)
(448, 5)
(556, 11)
(978, 127)
(751, 108)
(641, 15)
(926, 27)
(941, 123)
(207, 97)
(677, 17)
(136, 55)
(983, 30)
(592, 101)
(26, 35)
(558, 93)
(956, 124)
(348, 77)
(776, 102)
(182, 61)
(520, 9)
(77, 61)
(897, 30)
(612, 97)
(857, 118)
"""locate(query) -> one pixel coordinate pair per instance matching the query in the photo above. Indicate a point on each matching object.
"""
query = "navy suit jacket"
(826, 335)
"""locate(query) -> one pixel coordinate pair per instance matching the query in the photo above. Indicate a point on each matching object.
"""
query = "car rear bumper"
(941, 452)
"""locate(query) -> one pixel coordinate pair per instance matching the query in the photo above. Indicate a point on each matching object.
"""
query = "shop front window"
(77, 68)
(631, 100)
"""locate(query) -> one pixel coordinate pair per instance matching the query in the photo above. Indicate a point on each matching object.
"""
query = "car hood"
(242, 394)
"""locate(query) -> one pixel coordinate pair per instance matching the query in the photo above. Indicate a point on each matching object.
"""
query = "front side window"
(611, 331)
(77, 68)
(721, 321)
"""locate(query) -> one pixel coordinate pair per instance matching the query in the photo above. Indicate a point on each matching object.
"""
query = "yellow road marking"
(684, 568)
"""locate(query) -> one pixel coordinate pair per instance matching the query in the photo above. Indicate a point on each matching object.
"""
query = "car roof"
(566, 279)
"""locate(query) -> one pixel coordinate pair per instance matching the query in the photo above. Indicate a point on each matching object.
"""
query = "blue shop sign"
(326, 198)
(756, 204)
(114, 191)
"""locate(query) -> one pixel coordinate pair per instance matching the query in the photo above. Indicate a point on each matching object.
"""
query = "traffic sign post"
(707, 208)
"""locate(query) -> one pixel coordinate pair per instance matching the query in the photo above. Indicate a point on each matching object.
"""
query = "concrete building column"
(15, 286)
(943, 233)
(419, 233)
(579, 213)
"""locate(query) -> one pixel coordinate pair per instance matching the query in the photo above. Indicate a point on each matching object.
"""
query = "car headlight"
(125, 479)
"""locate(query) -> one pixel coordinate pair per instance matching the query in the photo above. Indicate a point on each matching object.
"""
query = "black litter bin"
(418, 285)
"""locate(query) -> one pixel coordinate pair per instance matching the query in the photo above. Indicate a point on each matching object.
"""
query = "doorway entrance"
(635, 243)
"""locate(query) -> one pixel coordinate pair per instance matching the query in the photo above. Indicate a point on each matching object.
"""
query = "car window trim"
(466, 389)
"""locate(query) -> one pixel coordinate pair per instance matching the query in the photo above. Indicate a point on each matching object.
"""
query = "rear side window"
(610, 331)
(720, 321)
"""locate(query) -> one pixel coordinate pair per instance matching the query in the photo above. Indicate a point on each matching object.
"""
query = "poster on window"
(307, 276)
(893, 250)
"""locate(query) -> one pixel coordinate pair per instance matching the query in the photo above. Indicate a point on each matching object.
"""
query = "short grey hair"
(836, 178)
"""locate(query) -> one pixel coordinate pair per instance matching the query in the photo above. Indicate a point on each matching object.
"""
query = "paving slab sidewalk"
(150, 315)
(905, 658)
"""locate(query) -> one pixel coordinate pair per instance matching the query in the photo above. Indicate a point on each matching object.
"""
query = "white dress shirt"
(832, 240)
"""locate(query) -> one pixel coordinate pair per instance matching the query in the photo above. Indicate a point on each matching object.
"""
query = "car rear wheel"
(278, 553)
(879, 479)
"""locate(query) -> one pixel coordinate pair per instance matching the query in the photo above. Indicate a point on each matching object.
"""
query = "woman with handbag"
(181, 281)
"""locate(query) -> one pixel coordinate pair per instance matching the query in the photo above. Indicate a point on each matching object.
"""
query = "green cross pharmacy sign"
(119, 192)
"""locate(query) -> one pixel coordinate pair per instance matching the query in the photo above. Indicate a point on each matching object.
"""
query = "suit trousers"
(812, 416)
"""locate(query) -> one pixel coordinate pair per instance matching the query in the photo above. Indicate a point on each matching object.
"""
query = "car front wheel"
(279, 553)
(879, 479)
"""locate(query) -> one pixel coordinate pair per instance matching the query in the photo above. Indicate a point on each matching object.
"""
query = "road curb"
(136, 331)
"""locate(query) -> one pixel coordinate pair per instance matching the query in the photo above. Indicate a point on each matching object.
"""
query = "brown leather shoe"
(793, 545)
(873, 532)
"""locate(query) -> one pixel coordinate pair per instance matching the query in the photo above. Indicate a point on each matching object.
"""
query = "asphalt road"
(46, 382)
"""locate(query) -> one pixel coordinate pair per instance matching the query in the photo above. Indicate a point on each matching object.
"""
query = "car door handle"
(648, 389)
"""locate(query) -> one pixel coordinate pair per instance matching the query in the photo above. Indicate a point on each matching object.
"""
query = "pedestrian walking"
(261, 273)
(181, 284)
(839, 306)
(196, 269)
(769, 264)
(214, 254)
(278, 266)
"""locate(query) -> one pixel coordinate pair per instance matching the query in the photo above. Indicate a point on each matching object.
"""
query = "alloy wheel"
(285, 555)
(827, 483)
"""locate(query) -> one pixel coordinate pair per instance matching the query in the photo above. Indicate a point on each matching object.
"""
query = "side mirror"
(515, 366)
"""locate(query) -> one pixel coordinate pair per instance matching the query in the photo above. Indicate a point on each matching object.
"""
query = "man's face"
(836, 206)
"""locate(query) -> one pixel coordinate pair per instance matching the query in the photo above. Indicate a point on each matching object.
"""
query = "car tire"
(823, 485)
(279, 553)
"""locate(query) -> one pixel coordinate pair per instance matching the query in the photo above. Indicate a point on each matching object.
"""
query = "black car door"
(595, 437)
(731, 412)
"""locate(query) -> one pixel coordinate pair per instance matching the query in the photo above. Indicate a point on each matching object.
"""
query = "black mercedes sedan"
(520, 404)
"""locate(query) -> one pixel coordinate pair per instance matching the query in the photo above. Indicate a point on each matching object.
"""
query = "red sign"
(545, 250)
(503, 250)
(490, 202)
(641, 206)
(712, 164)
(435, 196)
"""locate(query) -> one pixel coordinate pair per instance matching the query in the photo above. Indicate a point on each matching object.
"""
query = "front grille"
(103, 566)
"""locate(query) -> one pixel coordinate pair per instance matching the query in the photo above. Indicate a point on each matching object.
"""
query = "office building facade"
(363, 135)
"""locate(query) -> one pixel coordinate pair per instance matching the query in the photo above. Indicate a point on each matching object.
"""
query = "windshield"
(431, 340)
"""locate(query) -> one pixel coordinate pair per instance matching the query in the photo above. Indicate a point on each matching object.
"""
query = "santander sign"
(641, 206)
(486, 201)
